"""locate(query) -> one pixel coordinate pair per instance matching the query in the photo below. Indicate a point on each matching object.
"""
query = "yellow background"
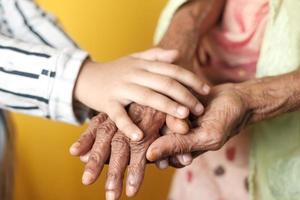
(107, 29)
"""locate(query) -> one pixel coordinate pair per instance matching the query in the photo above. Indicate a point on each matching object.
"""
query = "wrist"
(270, 96)
(83, 80)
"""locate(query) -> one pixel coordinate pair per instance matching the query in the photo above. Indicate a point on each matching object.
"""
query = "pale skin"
(145, 78)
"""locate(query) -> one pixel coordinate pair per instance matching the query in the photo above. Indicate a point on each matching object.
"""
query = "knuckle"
(94, 158)
(136, 113)
(169, 83)
(216, 141)
(181, 146)
(177, 71)
(112, 176)
(195, 79)
(90, 135)
(119, 142)
(100, 146)
(144, 64)
(136, 168)
(188, 98)
(138, 147)
(107, 128)
(100, 118)
(167, 104)
(145, 94)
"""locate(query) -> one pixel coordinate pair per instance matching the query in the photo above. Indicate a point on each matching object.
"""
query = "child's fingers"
(158, 54)
(170, 87)
(119, 115)
(180, 74)
(147, 97)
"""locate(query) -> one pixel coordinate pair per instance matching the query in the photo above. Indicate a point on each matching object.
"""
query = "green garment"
(275, 156)
(275, 153)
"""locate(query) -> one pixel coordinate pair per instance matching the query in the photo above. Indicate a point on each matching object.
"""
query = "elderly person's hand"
(229, 109)
(225, 114)
(102, 140)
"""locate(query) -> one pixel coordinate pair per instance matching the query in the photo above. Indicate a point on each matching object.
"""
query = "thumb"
(158, 54)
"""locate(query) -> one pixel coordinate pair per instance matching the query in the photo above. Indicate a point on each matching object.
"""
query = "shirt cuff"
(61, 103)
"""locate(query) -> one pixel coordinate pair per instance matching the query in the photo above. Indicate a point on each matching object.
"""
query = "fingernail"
(130, 179)
(163, 164)
(187, 159)
(87, 178)
(206, 89)
(199, 108)
(153, 154)
(110, 185)
(136, 137)
(84, 158)
(131, 185)
(110, 195)
(182, 111)
(130, 191)
(74, 148)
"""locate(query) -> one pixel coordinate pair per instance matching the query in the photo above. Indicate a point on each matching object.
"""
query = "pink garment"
(233, 48)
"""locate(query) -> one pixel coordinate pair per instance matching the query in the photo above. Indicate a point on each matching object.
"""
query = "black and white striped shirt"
(39, 63)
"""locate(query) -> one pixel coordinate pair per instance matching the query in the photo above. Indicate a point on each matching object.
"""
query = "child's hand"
(142, 78)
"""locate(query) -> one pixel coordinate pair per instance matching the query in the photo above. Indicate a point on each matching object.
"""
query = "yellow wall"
(107, 29)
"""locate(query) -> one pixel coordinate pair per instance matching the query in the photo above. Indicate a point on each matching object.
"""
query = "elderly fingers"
(169, 145)
(136, 170)
(86, 140)
(179, 160)
(117, 165)
(178, 126)
(99, 153)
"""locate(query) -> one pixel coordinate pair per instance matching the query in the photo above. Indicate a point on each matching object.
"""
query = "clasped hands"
(167, 140)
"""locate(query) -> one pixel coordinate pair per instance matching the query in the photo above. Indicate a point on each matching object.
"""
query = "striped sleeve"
(24, 20)
(38, 79)
(28, 22)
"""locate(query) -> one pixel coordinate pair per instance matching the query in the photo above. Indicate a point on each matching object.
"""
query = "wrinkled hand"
(124, 151)
(226, 113)
(102, 139)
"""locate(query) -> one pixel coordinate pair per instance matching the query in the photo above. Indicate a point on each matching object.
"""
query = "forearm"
(190, 22)
(271, 96)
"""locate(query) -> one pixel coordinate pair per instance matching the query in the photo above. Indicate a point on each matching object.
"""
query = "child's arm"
(39, 80)
(140, 78)
(27, 22)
